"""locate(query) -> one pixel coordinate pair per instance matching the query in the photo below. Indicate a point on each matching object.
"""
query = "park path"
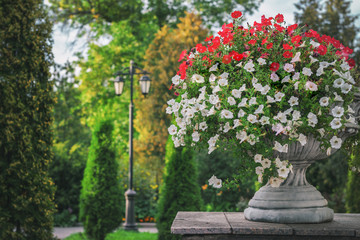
(63, 232)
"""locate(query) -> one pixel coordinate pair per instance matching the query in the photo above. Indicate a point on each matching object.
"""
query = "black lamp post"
(119, 87)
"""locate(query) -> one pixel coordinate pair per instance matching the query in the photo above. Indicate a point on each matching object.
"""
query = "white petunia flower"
(216, 89)
(296, 76)
(302, 139)
(236, 93)
(311, 86)
(281, 117)
(212, 111)
(251, 139)
(266, 163)
(259, 109)
(197, 78)
(203, 126)
(296, 115)
(335, 142)
(293, 101)
(214, 67)
(278, 96)
(312, 59)
(296, 58)
(335, 123)
(320, 71)
(242, 88)
(274, 77)
(289, 67)
(283, 172)
(307, 71)
(314, 44)
(252, 101)
(236, 123)
(338, 83)
(350, 110)
(241, 113)
(195, 136)
(258, 158)
(227, 127)
(324, 101)
(231, 101)
(212, 140)
(252, 118)
(281, 148)
(345, 66)
(226, 114)
(243, 102)
(346, 88)
(296, 85)
(214, 99)
(212, 79)
(337, 111)
(215, 182)
(259, 170)
(265, 90)
(168, 110)
(171, 102)
(176, 80)
(224, 75)
(312, 119)
(321, 131)
(261, 61)
(285, 79)
(172, 129)
(249, 66)
(338, 98)
(223, 82)
(275, 182)
(270, 99)
(242, 136)
(264, 120)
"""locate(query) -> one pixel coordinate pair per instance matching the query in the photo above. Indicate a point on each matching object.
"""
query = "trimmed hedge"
(26, 102)
(101, 194)
(180, 190)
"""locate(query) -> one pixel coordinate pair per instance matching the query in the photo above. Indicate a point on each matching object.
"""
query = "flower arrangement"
(268, 83)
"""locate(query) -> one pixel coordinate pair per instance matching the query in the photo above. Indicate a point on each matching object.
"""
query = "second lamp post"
(119, 82)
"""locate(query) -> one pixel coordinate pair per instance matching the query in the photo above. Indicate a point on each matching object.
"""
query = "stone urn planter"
(296, 200)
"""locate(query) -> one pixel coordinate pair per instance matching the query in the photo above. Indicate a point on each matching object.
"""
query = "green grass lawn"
(118, 235)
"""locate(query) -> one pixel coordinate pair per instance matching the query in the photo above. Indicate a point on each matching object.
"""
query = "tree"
(161, 59)
(71, 141)
(101, 193)
(180, 190)
(26, 95)
(353, 193)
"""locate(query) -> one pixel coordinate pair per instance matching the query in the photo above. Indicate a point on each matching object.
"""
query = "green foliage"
(26, 101)
(151, 119)
(71, 141)
(329, 176)
(180, 190)
(353, 193)
(223, 164)
(118, 235)
(101, 195)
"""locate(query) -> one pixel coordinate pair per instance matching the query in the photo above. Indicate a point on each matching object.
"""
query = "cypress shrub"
(26, 101)
(353, 193)
(180, 190)
(101, 194)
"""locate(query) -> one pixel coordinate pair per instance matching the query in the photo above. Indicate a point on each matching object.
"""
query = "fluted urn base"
(289, 204)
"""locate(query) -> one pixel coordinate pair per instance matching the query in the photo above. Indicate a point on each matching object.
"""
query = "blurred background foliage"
(153, 35)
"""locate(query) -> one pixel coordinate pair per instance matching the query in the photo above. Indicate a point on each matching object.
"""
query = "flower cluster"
(262, 88)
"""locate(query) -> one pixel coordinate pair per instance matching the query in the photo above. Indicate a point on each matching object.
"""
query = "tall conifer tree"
(26, 101)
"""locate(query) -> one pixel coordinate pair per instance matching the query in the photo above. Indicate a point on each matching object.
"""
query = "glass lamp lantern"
(119, 85)
(145, 84)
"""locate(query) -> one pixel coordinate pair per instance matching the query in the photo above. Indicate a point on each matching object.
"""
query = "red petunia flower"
(279, 28)
(252, 42)
(279, 18)
(226, 59)
(182, 55)
(292, 28)
(287, 46)
(287, 54)
(351, 63)
(200, 48)
(296, 39)
(269, 46)
(208, 38)
(237, 56)
(236, 14)
(322, 50)
(274, 66)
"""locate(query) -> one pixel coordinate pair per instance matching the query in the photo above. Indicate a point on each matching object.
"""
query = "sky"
(63, 51)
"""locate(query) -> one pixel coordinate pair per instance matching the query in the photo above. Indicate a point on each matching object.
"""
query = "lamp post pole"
(119, 86)
(130, 193)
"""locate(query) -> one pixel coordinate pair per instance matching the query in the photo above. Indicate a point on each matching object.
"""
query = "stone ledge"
(233, 225)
